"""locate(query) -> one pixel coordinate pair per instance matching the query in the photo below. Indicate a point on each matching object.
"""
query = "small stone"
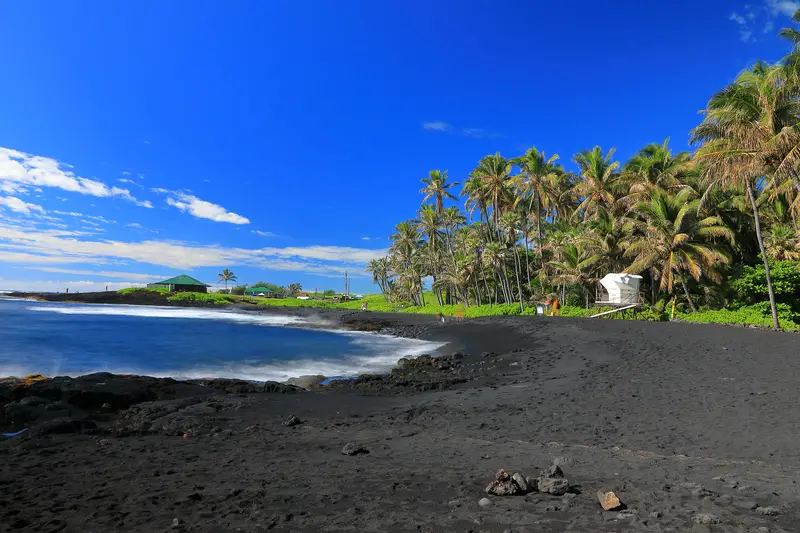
(563, 461)
(501, 475)
(655, 514)
(292, 420)
(553, 472)
(484, 502)
(706, 518)
(521, 482)
(768, 511)
(103, 442)
(725, 499)
(175, 522)
(353, 449)
(106, 405)
(627, 513)
(609, 501)
(745, 504)
(554, 486)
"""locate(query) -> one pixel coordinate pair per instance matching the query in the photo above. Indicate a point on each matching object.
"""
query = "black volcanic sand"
(681, 421)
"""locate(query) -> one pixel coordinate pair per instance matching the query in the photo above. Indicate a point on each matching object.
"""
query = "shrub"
(751, 284)
(211, 298)
(132, 290)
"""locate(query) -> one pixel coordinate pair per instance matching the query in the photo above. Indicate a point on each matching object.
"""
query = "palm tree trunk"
(688, 296)
(751, 194)
(517, 267)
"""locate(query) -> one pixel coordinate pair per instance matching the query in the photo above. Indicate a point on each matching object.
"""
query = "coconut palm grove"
(713, 233)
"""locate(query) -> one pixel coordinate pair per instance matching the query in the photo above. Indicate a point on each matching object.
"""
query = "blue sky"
(284, 140)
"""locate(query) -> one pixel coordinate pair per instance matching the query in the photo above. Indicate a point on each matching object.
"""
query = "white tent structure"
(619, 290)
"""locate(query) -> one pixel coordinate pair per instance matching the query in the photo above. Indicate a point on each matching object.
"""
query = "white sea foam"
(170, 312)
(385, 353)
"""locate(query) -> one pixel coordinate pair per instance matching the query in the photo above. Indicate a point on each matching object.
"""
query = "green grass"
(755, 315)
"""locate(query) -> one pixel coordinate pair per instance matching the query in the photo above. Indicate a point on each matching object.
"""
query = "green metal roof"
(183, 279)
(260, 288)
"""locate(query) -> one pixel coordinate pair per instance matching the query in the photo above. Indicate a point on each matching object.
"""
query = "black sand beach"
(693, 427)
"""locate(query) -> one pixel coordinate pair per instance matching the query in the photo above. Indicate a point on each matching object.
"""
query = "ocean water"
(72, 339)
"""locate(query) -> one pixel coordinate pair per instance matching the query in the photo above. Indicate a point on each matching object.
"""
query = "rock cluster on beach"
(550, 481)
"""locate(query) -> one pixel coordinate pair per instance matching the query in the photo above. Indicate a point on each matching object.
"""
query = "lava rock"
(61, 426)
(553, 485)
(484, 502)
(291, 421)
(352, 448)
(553, 472)
(768, 511)
(521, 482)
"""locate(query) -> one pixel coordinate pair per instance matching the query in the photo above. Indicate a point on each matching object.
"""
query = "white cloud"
(61, 286)
(365, 238)
(479, 133)
(130, 181)
(436, 125)
(125, 173)
(264, 233)
(737, 18)
(69, 213)
(24, 245)
(769, 27)
(19, 206)
(134, 225)
(200, 208)
(128, 276)
(782, 7)
(18, 169)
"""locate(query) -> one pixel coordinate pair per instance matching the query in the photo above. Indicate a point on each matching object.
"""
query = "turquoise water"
(72, 339)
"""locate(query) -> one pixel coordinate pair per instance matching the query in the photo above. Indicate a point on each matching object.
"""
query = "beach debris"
(768, 511)
(291, 421)
(706, 518)
(175, 522)
(484, 502)
(103, 442)
(20, 432)
(352, 448)
(609, 501)
(185, 435)
(655, 514)
(106, 406)
(552, 481)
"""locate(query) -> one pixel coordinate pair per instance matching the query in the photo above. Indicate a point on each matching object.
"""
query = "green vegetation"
(211, 298)
(226, 276)
(132, 290)
(713, 233)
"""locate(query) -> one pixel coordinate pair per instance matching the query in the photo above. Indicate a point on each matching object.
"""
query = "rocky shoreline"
(685, 427)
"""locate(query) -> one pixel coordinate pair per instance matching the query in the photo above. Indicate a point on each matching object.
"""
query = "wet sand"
(681, 421)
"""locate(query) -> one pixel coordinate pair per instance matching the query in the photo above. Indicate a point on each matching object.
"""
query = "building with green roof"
(182, 283)
(260, 290)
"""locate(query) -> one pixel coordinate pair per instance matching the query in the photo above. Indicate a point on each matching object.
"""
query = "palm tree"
(226, 276)
(740, 139)
(537, 172)
(671, 239)
(782, 243)
(598, 182)
(436, 187)
(654, 168)
(294, 288)
(576, 265)
(494, 172)
(380, 269)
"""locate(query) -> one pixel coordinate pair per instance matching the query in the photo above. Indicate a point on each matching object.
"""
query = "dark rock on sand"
(768, 511)
(506, 485)
(553, 485)
(193, 416)
(291, 421)
(306, 382)
(352, 448)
